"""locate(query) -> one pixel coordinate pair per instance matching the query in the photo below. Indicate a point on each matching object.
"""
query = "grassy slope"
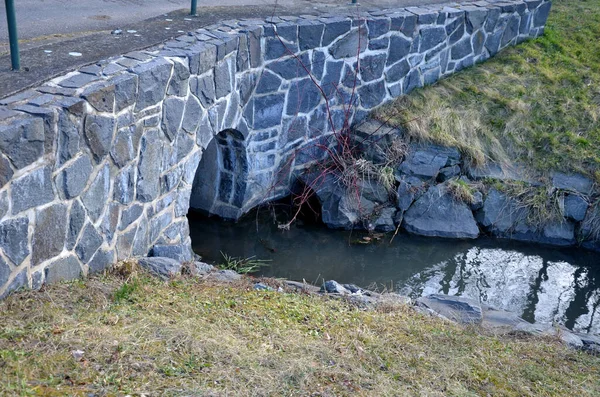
(538, 102)
(186, 337)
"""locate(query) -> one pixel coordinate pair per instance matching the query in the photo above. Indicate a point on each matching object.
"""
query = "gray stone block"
(399, 48)
(348, 46)
(148, 182)
(541, 14)
(164, 268)
(73, 179)
(124, 185)
(125, 90)
(223, 79)
(204, 89)
(6, 172)
(431, 37)
(102, 260)
(99, 132)
(378, 27)
(291, 68)
(179, 252)
(63, 269)
(22, 140)
(14, 239)
(268, 82)
(101, 96)
(303, 96)
(153, 78)
(268, 111)
(20, 281)
(309, 35)
(372, 95)
(130, 215)
(334, 28)
(5, 272)
(179, 83)
(461, 49)
(88, 244)
(192, 115)
(510, 31)
(94, 199)
(140, 241)
(172, 116)
(371, 67)
(32, 190)
(49, 233)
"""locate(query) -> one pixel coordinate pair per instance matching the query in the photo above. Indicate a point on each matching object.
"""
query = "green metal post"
(12, 34)
(194, 5)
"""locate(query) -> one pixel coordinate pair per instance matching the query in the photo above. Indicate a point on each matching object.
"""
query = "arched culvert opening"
(221, 178)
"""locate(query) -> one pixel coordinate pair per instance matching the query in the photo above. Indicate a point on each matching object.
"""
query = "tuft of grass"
(537, 104)
(242, 265)
(461, 191)
(543, 204)
(193, 337)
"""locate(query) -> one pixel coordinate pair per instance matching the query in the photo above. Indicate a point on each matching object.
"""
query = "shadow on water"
(540, 283)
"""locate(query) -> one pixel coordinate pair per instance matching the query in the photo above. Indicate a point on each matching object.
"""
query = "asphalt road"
(40, 18)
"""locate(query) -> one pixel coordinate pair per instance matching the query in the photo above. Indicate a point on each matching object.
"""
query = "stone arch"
(221, 179)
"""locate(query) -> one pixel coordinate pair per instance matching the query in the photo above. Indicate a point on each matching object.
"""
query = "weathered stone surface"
(125, 90)
(179, 252)
(510, 32)
(426, 162)
(559, 233)
(575, 207)
(431, 37)
(572, 182)
(13, 239)
(303, 96)
(32, 190)
(500, 213)
(461, 49)
(130, 215)
(399, 48)
(268, 111)
(19, 281)
(224, 276)
(49, 233)
(223, 79)
(309, 35)
(6, 172)
(148, 183)
(62, 269)
(73, 179)
(333, 287)
(102, 260)
(153, 78)
(372, 95)
(201, 269)
(334, 29)
(172, 116)
(22, 140)
(456, 308)
(164, 268)
(94, 199)
(179, 81)
(437, 214)
(88, 244)
(372, 66)
(268, 82)
(5, 271)
(384, 220)
(351, 44)
(101, 97)
(541, 15)
(99, 132)
(397, 71)
(4, 203)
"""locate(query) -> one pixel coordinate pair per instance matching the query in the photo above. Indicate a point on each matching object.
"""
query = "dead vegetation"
(137, 335)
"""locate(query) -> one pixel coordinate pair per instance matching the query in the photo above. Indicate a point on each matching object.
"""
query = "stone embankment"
(424, 198)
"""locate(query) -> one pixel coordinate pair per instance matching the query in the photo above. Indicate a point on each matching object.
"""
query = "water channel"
(540, 283)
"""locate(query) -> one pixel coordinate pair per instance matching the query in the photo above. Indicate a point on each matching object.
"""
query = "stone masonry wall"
(99, 165)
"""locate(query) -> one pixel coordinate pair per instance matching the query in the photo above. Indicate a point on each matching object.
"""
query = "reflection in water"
(540, 283)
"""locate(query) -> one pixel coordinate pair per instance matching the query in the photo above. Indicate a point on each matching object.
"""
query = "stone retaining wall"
(100, 164)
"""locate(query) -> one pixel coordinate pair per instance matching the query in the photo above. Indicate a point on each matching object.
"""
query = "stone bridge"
(103, 163)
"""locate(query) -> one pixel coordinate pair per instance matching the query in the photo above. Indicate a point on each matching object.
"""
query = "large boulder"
(438, 214)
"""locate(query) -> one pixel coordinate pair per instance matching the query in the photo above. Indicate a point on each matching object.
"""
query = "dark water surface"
(540, 283)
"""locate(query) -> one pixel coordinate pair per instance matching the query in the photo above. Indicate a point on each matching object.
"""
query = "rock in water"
(438, 214)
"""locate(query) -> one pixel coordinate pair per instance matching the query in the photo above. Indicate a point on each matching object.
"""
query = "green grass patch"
(537, 103)
(189, 337)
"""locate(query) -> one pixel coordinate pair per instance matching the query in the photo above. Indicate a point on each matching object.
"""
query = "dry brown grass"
(188, 337)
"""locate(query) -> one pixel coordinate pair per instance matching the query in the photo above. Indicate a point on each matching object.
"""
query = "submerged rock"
(438, 214)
